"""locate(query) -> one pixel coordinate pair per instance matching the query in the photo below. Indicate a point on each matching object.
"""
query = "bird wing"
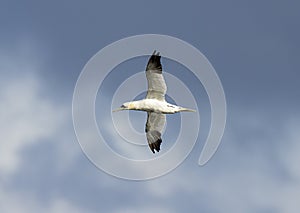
(156, 83)
(154, 127)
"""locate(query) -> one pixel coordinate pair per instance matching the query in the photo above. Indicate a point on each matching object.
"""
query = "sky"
(254, 48)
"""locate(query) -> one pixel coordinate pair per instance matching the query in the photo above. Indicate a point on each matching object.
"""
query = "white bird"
(154, 104)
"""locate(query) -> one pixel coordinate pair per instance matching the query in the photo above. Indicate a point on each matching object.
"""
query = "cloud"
(289, 153)
(26, 118)
(238, 179)
(25, 203)
(29, 118)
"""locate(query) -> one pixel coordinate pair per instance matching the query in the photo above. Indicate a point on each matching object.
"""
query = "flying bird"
(154, 104)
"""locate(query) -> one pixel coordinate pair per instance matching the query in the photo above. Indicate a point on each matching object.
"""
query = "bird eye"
(122, 106)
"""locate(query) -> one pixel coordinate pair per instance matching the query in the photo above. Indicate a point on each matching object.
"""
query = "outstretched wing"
(154, 127)
(156, 83)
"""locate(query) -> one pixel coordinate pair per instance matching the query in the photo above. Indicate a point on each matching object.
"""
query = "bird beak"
(119, 109)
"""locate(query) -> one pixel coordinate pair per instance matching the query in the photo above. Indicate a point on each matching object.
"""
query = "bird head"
(125, 106)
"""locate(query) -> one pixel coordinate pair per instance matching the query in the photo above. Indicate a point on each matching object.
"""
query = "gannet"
(154, 104)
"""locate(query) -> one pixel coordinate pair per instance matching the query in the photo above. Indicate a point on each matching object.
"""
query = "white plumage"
(154, 104)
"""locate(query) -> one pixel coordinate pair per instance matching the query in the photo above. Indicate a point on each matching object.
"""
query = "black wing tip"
(154, 62)
(155, 146)
(156, 53)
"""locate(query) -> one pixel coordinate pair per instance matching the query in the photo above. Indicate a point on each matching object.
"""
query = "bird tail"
(186, 110)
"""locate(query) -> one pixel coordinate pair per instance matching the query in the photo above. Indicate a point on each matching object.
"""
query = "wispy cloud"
(29, 118)
(16, 202)
(239, 179)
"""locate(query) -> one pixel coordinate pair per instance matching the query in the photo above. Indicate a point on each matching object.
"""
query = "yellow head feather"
(131, 106)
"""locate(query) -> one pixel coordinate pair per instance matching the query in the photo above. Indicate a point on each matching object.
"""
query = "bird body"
(154, 104)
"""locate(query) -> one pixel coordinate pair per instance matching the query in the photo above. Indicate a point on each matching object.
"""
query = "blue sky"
(253, 46)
